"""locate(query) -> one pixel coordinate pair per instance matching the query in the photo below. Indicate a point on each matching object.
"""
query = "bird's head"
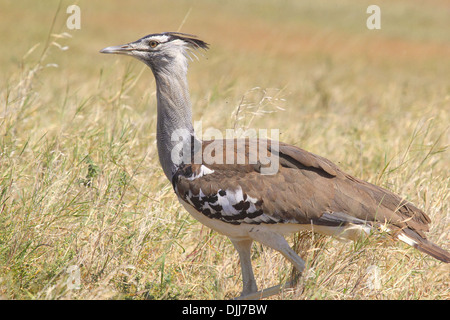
(160, 50)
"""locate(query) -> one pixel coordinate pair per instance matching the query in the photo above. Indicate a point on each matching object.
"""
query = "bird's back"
(306, 190)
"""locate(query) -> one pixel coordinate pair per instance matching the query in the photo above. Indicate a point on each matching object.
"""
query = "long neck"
(174, 114)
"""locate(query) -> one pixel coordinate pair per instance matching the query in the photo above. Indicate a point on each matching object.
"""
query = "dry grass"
(80, 183)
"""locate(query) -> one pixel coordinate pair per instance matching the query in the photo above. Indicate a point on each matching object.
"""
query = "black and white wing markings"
(228, 203)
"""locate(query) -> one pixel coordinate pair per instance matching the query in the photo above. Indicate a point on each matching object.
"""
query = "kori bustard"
(236, 199)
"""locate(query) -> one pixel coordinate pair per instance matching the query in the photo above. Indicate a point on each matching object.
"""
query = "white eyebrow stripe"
(159, 38)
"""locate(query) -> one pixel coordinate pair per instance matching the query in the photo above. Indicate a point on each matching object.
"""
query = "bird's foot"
(264, 293)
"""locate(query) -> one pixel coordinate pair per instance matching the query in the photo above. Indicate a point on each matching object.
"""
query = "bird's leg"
(250, 289)
(277, 242)
(244, 247)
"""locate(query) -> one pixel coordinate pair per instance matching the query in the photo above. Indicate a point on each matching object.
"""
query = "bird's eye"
(153, 43)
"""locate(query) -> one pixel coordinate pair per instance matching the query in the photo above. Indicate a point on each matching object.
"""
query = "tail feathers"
(413, 239)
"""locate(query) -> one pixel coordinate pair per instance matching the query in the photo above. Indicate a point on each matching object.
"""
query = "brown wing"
(356, 197)
(306, 189)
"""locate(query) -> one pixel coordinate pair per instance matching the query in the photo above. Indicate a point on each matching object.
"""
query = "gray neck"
(174, 114)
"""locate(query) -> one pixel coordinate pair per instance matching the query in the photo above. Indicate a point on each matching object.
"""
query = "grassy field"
(80, 183)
